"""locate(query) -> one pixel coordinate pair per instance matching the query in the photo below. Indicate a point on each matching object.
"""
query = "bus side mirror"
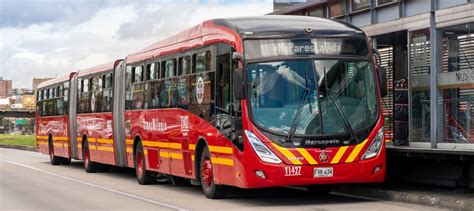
(236, 56)
(238, 83)
(382, 72)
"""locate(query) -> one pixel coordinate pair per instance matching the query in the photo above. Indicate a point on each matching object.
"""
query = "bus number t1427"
(292, 170)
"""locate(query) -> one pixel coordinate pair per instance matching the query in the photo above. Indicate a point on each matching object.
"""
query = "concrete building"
(427, 46)
(6, 88)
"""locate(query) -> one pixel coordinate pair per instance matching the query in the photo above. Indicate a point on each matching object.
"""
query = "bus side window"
(138, 88)
(107, 93)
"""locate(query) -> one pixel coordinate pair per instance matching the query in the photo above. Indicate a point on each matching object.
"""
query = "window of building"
(337, 8)
(360, 5)
(318, 12)
(383, 2)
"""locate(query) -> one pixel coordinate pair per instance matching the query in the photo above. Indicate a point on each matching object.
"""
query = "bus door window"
(223, 92)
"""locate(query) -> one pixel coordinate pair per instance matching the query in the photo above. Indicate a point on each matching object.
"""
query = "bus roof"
(233, 30)
(56, 80)
(200, 35)
(97, 69)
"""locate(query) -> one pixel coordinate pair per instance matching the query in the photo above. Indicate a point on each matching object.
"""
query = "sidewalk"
(424, 195)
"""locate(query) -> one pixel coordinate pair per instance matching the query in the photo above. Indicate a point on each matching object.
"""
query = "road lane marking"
(96, 186)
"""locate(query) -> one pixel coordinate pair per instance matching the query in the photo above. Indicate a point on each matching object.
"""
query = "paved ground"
(28, 181)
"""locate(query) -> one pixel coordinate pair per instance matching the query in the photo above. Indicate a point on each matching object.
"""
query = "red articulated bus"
(247, 102)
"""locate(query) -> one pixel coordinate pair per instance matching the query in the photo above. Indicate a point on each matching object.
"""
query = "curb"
(18, 147)
(406, 197)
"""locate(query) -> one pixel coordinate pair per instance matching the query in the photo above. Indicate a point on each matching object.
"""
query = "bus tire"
(65, 161)
(55, 160)
(319, 189)
(89, 165)
(144, 176)
(209, 188)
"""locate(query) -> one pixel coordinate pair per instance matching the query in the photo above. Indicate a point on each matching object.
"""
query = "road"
(28, 181)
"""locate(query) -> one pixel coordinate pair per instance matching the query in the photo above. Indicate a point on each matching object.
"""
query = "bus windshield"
(313, 97)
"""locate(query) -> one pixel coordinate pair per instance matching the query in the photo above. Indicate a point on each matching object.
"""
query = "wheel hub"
(206, 172)
(139, 163)
(86, 157)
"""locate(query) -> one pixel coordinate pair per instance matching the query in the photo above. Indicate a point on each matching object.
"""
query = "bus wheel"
(66, 161)
(143, 176)
(319, 189)
(55, 160)
(211, 190)
(89, 166)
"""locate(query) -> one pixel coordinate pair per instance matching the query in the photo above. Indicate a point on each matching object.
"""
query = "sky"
(48, 38)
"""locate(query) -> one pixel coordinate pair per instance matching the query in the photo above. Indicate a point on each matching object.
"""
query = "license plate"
(323, 172)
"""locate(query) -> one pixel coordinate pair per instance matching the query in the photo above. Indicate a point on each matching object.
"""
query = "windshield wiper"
(346, 123)
(296, 121)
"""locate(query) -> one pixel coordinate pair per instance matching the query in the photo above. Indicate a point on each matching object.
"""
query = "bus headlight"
(265, 154)
(375, 147)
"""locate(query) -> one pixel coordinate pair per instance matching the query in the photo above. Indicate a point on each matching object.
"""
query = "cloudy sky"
(47, 38)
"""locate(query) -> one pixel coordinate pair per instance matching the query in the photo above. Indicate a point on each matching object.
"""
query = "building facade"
(6, 88)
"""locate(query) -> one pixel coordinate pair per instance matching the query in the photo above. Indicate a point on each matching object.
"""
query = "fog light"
(377, 169)
(260, 174)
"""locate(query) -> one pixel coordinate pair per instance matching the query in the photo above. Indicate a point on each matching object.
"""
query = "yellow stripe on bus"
(307, 156)
(129, 150)
(222, 161)
(223, 150)
(356, 151)
(155, 144)
(42, 143)
(339, 154)
(129, 141)
(175, 146)
(107, 149)
(91, 140)
(57, 144)
(288, 154)
(192, 147)
(42, 137)
(92, 147)
(171, 155)
(60, 138)
(105, 141)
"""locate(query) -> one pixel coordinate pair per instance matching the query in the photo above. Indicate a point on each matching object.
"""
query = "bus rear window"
(257, 49)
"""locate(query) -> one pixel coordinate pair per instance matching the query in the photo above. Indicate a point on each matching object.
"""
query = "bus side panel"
(97, 128)
(56, 126)
(169, 137)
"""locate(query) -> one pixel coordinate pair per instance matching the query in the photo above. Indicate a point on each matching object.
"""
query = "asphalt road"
(28, 181)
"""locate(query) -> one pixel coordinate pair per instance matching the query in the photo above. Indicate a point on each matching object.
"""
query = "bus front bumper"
(260, 175)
